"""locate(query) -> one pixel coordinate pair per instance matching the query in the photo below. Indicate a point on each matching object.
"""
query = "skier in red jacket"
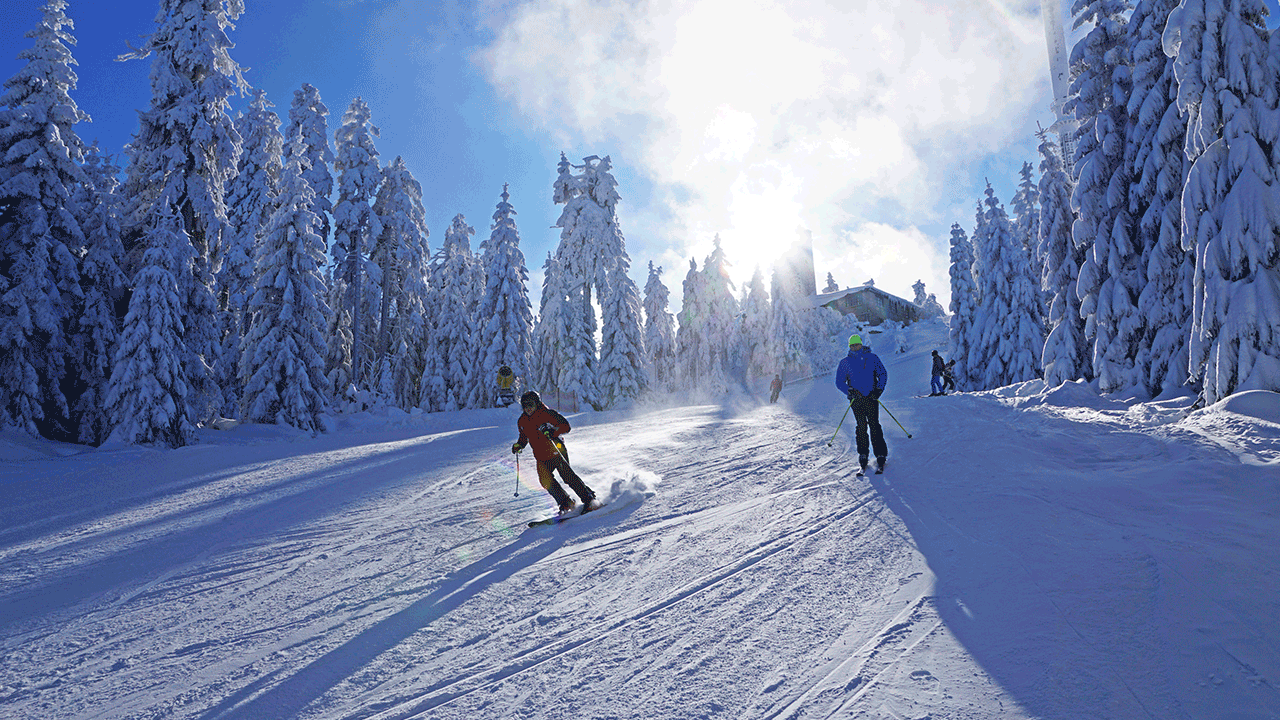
(541, 428)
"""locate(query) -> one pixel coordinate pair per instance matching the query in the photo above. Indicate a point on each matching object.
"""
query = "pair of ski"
(862, 472)
(557, 519)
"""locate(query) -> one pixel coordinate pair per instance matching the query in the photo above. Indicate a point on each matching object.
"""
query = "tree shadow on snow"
(258, 512)
(1067, 572)
(296, 692)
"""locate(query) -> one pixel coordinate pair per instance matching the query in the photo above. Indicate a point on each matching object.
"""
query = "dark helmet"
(530, 399)
(504, 370)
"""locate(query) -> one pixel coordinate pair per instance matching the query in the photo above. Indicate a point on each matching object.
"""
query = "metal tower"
(1059, 74)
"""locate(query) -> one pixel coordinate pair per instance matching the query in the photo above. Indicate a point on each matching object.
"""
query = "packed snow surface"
(1032, 552)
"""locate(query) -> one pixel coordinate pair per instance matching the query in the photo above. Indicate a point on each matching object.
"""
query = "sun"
(761, 221)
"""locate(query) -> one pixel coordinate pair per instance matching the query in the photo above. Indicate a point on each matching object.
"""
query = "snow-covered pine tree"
(505, 315)
(459, 288)
(962, 333)
(590, 238)
(1008, 325)
(1102, 224)
(403, 255)
(282, 368)
(991, 306)
(1231, 214)
(580, 367)
(721, 342)
(831, 285)
(251, 200)
(433, 390)
(1026, 214)
(623, 375)
(355, 226)
(591, 247)
(40, 240)
(756, 314)
(337, 359)
(1026, 209)
(182, 156)
(147, 395)
(550, 334)
(103, 284)
(659, 332)
(690, 341)
(308, 120)
(1065, 355)
(927, 302)
(1156, 134)
(787, 336)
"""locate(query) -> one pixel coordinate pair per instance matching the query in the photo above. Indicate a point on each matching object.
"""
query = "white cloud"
(754, 118)
(895, 258)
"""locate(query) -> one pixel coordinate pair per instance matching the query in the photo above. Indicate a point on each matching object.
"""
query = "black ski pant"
(866, 411)
(560, 463)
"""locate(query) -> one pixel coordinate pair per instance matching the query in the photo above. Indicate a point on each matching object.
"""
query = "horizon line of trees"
(1147, 257)
(219, 280)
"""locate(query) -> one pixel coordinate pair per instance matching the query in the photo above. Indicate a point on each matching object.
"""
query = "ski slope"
(1028, 554)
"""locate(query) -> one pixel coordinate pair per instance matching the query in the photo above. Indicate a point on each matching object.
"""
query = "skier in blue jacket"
(862, 378)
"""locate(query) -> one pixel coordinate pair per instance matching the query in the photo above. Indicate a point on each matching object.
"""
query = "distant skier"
(862, 378)
(506, 390)
(541, 428)
(939, 372)
(775, 388)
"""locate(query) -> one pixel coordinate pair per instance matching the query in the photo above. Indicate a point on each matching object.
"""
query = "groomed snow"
(1031, 553)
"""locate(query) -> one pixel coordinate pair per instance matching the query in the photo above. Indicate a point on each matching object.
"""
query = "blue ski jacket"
(861, 370)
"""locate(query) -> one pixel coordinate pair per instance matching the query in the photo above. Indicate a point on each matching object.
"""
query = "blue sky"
(872, 127)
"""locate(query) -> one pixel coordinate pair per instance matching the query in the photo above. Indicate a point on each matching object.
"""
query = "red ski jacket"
(529, 434)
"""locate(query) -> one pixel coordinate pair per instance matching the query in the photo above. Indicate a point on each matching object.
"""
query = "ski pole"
(846, 414)
(517, 475)
(559, 452)
(886, 409)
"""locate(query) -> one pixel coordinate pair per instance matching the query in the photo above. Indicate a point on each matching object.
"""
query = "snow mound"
(1261, 405)
(1078, 394)
(11, 451)
(233, 432)
(1247, 424)
(18, 446)
(1070, 394)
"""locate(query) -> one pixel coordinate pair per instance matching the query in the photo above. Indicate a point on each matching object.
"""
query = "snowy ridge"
(1031, 553)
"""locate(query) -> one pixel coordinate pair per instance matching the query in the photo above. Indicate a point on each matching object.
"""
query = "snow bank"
(1070, 394)
(18, 446)
(1246, 424)
(1261, 405)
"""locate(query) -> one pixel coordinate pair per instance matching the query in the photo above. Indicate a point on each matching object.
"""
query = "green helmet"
(855, 340)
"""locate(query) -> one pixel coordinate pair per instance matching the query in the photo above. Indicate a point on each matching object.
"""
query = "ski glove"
(547, 429)
(875, 394)
(516, 448)
(854, 394)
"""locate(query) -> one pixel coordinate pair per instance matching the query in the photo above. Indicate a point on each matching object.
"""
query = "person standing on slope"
(862, 378)
(541, 428)
(775, 388)
(506, 386)
(939, 370)
(949, 376)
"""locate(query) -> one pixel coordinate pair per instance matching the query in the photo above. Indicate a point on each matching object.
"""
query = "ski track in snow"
(1029, 554)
